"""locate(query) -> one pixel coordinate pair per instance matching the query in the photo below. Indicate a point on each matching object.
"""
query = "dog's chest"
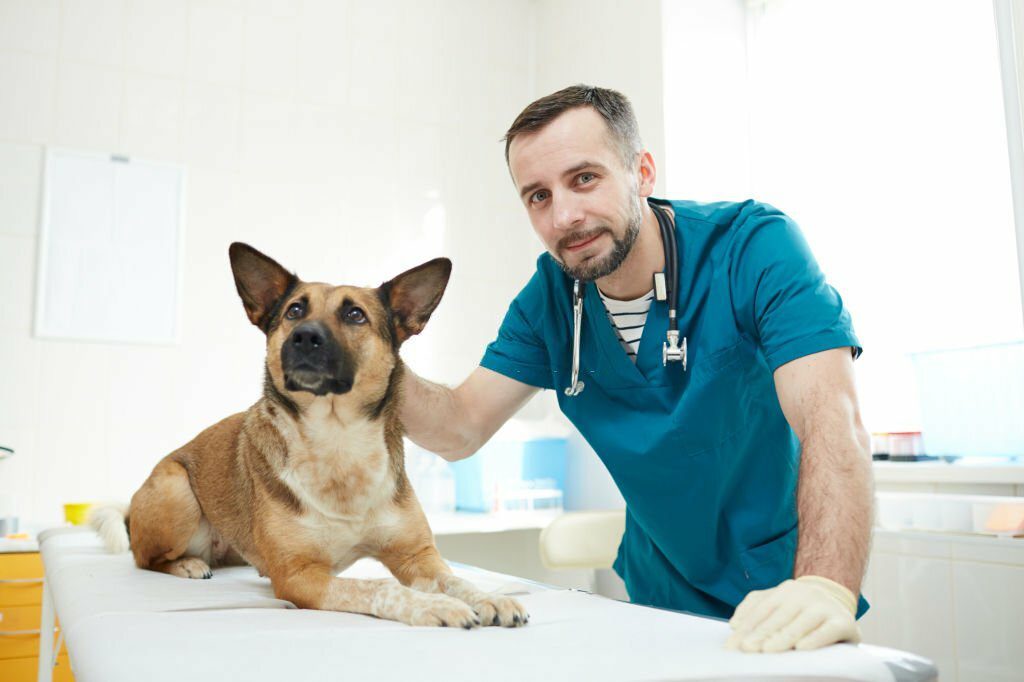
(344, 542)
(340, 472)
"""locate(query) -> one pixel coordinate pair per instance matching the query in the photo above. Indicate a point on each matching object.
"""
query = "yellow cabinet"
(25, 669)
(21, 596)
(21, 579)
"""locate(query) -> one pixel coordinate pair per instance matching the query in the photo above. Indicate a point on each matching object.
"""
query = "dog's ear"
(413, 295)
(261, 282)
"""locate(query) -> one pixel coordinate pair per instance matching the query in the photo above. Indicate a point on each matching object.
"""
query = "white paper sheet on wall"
(110, 249)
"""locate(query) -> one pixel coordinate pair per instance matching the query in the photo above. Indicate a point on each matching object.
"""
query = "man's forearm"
(835, 504)
(433, 417)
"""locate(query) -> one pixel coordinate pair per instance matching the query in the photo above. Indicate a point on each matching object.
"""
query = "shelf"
(943, 472)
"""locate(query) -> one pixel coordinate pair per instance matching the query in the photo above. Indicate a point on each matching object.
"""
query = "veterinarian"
(739, 448)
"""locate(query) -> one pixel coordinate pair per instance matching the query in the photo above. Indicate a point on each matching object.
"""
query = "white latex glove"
(807, 613)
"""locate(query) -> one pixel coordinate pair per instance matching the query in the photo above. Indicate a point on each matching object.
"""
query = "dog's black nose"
(307, 337)
(313, 361)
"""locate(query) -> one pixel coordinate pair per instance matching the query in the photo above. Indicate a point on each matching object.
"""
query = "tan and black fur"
(312, 478)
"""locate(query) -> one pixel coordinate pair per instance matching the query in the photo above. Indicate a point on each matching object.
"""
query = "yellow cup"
(76, 513)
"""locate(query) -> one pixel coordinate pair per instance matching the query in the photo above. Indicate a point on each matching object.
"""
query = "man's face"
(582, 203)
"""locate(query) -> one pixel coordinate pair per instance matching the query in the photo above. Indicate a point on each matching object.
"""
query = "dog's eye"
(355, 315)
(295, 310)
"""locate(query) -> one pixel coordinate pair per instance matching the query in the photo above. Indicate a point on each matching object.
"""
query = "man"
(746, 474)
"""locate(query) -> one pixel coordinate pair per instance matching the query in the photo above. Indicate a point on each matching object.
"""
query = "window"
(879, 127)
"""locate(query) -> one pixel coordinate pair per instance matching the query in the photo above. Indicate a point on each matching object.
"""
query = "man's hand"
(807, 613)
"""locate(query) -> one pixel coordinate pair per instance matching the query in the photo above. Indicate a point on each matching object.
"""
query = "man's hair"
(613, 106)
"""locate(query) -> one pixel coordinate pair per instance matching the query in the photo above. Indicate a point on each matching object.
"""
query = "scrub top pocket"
(768, 564)
(713, 406)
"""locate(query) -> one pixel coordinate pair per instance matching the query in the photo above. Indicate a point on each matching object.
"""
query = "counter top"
(8, 545)
(456, 523)
(960, 471)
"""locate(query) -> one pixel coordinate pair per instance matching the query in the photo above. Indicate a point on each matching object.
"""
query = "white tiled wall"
(336, 135)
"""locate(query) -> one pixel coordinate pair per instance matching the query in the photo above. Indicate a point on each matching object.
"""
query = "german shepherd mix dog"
(312, 477)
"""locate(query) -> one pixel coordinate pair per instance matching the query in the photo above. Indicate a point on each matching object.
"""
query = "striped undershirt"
(628, 318)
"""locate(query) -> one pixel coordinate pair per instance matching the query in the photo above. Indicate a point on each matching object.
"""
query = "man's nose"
(567, 212)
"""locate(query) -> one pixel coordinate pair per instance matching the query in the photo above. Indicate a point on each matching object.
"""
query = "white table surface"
(122, 623)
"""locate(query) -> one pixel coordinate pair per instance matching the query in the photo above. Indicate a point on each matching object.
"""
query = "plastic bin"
(508, 475)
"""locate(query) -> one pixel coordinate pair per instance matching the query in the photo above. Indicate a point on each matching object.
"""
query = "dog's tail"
(111, 523)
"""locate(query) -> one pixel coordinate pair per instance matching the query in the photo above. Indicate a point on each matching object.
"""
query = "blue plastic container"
(498, 463)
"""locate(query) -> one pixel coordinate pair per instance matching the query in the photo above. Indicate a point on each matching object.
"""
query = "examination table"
(124, 624)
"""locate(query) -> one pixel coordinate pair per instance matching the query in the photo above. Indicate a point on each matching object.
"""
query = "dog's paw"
(494, 609)
(190, 567)
(442, 611)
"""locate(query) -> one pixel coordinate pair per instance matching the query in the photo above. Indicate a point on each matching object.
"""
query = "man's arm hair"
(835, 489)
(455, 422)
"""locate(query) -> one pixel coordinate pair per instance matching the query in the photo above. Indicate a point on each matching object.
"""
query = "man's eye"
(538, 196)
(586, 177)
(355, 315)
(295, 311)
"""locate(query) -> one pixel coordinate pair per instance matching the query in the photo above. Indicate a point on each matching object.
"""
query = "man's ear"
(648, 174)
(261, 282)
(413, 295)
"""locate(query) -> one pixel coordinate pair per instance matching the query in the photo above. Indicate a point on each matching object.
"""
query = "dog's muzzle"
(313, 361)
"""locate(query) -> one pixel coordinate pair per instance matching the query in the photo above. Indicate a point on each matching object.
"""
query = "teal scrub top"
(704, 458)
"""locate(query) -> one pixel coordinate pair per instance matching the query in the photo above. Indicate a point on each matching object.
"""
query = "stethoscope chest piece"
(671, 351)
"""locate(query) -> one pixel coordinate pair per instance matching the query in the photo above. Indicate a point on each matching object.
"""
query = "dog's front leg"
(425, 570)
(312, 586)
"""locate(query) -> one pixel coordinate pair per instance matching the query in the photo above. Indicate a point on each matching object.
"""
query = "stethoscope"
(664, 290)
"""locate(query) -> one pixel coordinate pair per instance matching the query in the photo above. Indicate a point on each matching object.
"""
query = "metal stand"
(47, 654)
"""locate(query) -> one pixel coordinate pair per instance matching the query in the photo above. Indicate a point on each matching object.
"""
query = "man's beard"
(596, 268)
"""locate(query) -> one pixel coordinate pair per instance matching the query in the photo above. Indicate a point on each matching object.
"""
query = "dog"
(311, 477)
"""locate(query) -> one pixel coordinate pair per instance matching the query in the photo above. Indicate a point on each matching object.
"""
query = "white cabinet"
(956, 600)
